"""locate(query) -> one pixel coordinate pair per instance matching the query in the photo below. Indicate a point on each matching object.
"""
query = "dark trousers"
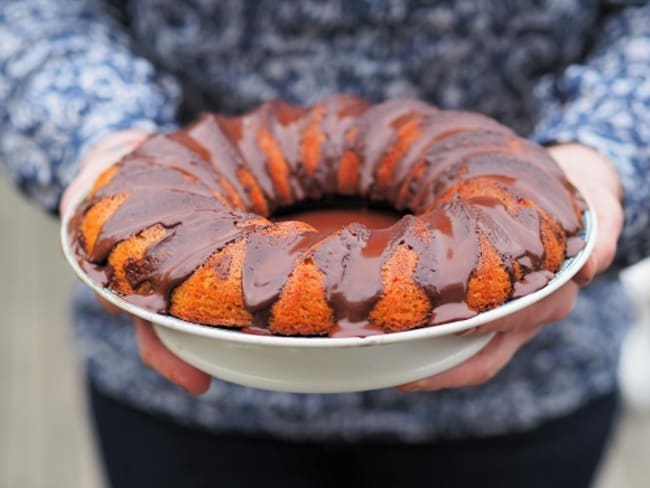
(141, 450)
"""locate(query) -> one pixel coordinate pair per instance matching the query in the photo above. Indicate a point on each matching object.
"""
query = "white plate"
(323, 364)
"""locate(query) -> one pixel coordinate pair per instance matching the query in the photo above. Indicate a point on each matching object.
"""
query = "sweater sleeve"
(68, 77)
(605, 104)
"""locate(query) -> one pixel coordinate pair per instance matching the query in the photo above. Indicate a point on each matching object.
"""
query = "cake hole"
(331, 214)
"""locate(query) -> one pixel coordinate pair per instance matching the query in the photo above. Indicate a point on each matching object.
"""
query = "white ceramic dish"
(329, 365)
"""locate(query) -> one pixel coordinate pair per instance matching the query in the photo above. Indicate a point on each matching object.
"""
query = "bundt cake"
(187, 224)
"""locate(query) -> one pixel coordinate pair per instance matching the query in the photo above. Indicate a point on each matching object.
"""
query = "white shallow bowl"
(323, 364)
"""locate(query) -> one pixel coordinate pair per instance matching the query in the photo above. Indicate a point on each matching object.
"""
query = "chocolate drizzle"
(360, 286)
(270, 257)
(448, 257)
(190, 184)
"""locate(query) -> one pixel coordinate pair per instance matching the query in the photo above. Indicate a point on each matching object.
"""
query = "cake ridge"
(183, 219)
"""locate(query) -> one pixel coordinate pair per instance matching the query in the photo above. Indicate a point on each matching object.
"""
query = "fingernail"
(585, 280)
(582, 279)
(591, 267)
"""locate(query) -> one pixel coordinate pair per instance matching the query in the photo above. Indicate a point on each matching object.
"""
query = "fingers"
(512, 332)
(609, 214)
(72, 193)
(155, 355)
(478, 369)
(610, 224)
(598, 181)
(587, 272)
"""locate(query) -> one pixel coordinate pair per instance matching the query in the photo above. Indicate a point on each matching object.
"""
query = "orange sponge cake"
(194, 223)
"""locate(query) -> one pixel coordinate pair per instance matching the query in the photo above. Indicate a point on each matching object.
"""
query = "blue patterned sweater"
(575, 70)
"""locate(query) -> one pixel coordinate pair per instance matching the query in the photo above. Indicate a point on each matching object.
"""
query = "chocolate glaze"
(441, 126)
(573, 246)
(360, 286)
(208, 134)
(448, 257)
(531, 282)
(339, 120)
(363, 328)
(378, 132)
(331, 220)
(270, 257)
(286, 123)
(189, 183)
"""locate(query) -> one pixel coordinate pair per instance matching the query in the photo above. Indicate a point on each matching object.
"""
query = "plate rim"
(563, 276)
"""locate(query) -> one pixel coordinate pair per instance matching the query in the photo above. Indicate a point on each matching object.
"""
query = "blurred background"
(45, 439)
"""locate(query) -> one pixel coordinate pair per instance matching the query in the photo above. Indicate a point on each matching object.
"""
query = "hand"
(598, 181)
(152, 351)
